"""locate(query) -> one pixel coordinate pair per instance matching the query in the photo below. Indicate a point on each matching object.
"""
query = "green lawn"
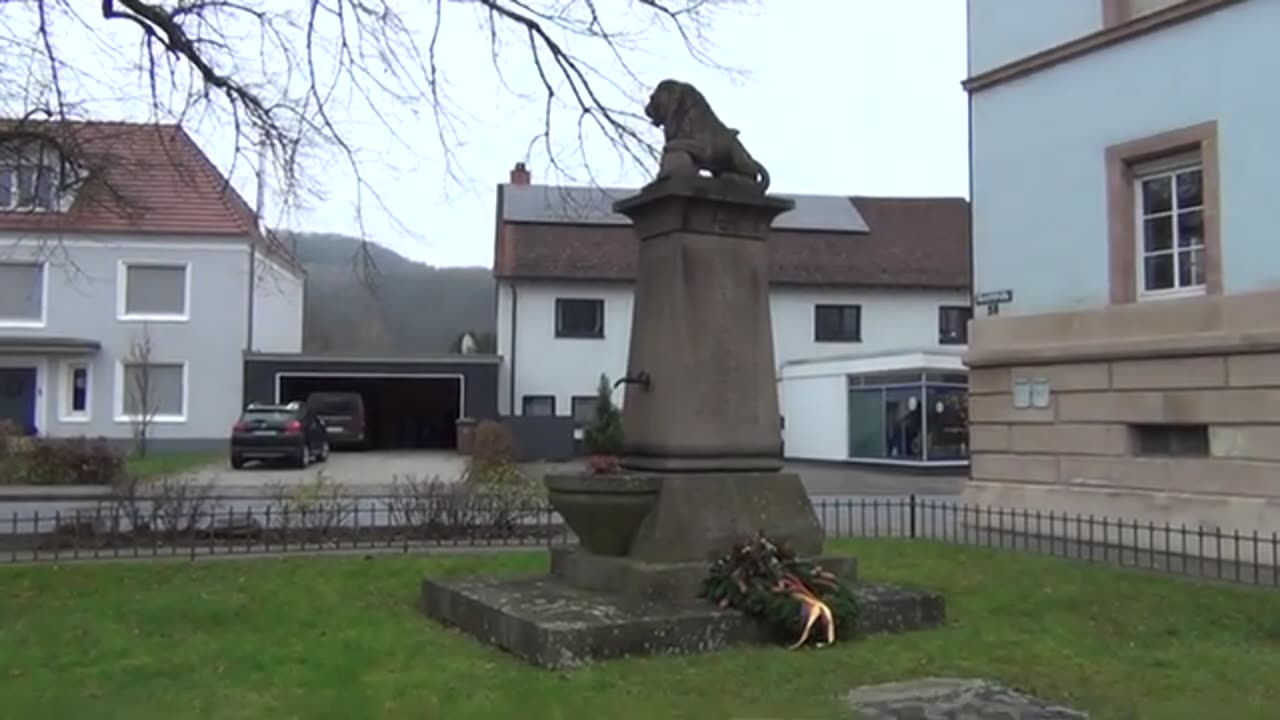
(317, 638)
(158, 465)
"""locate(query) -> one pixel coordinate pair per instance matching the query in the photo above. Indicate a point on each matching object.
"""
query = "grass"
(319, 638)
(157, 465)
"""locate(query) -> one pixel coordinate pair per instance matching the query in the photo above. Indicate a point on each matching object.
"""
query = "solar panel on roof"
(571, 205)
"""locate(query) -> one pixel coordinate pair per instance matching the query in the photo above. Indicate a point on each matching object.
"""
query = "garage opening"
(401, 412)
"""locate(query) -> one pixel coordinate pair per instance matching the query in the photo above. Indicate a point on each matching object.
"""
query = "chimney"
(519, 174)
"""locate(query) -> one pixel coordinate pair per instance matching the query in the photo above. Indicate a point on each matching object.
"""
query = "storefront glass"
(913, 416)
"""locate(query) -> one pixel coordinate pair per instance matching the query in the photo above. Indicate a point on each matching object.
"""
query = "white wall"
(815, 411)
(1039, 177)
(1002, 31)
(564, 367)
(277, 308)
(892, 321)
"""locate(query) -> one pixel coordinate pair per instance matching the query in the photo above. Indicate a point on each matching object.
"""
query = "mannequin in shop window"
(903, 429)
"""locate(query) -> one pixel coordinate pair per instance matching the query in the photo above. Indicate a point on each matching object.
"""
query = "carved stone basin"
(604, 511)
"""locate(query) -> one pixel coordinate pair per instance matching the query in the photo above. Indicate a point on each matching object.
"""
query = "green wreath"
(767, 581)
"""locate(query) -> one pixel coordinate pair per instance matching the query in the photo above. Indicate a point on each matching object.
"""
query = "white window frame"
(157, 419)
(44, 297)
(122, 292)
(1170, 166)
(66, 413)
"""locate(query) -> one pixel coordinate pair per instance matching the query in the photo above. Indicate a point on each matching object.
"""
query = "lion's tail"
(764, 177)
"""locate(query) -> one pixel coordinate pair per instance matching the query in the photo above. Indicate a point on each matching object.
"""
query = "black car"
(279, 432)
(343, 417)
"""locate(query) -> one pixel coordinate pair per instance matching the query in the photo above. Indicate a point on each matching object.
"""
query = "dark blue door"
(18, 396)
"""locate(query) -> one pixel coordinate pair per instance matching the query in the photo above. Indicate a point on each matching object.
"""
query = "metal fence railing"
(195, 526)
(1205, 552)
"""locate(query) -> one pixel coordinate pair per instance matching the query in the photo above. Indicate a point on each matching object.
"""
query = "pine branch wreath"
(767, 581)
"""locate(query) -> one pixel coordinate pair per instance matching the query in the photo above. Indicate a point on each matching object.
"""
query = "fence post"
(913, 516)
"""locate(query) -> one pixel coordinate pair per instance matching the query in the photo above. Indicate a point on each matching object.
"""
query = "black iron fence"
(195, 526)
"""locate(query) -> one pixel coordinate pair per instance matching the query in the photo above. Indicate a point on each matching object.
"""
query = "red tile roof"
(143, 179)
(912, 242)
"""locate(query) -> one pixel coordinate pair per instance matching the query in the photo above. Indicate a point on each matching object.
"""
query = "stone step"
(553, 625)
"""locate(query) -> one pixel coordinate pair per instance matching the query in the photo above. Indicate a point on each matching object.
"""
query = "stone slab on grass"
(553, 625)
(952, 699)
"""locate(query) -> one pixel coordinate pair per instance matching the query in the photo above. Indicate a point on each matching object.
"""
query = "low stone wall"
(1216, 376)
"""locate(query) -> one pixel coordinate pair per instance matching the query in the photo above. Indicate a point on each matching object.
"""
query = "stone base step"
(556, 626)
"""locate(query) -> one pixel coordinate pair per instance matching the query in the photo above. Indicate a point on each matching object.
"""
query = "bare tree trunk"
(140, 391)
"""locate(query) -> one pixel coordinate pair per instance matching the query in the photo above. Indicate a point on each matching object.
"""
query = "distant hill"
(407, 307)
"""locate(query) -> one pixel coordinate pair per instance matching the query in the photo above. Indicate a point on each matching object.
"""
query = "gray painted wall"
(542, 438)
(82, 298)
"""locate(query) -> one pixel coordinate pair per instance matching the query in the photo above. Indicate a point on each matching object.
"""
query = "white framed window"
(1169, 203)
(24, 289)
(153, 291)
(152, 392)
(77, 391)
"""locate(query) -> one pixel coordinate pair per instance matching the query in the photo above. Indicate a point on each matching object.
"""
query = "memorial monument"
(701, 468)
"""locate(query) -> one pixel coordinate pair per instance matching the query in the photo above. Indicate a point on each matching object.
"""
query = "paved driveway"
(354, 469)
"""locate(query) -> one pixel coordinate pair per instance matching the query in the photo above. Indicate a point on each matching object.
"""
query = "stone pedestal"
(655, 535)
(702, 457)
(701, 330)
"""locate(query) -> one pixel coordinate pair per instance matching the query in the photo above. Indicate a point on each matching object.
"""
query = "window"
(584, 409)
(1170, 203)
(1171, 440)
(155, 392)
(153, 291)
(579, 318)
(538, 405)
(75, 393)
(908, 416)
(1163, 210)
(22, 290)
(953, 325)
(837, 323)
(29, 179)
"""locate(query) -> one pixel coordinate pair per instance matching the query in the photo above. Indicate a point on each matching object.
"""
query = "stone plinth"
(553, 625)
(701, 330)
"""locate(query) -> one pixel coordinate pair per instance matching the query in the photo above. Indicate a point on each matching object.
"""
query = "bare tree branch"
(304, 83)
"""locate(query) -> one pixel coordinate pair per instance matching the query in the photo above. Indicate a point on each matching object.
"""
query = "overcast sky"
(841, 97)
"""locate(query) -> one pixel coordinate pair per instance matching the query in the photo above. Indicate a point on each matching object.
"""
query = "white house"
(1123, 186)
(858, 284)
(133, 278)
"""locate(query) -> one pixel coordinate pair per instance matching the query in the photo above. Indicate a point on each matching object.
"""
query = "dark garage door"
(401, 411)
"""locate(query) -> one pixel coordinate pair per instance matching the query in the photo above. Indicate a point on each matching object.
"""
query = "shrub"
(71, 461)
(320, 505)
(603, 435)
(492, 474)
(493, 442)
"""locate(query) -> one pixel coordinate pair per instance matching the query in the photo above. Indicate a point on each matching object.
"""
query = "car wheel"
(237, 462)
(304, 457)
(324, 452)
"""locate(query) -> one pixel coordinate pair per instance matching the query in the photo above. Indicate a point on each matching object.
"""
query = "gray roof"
(552, 204)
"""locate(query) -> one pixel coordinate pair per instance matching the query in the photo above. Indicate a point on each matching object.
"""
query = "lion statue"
(697, 140)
